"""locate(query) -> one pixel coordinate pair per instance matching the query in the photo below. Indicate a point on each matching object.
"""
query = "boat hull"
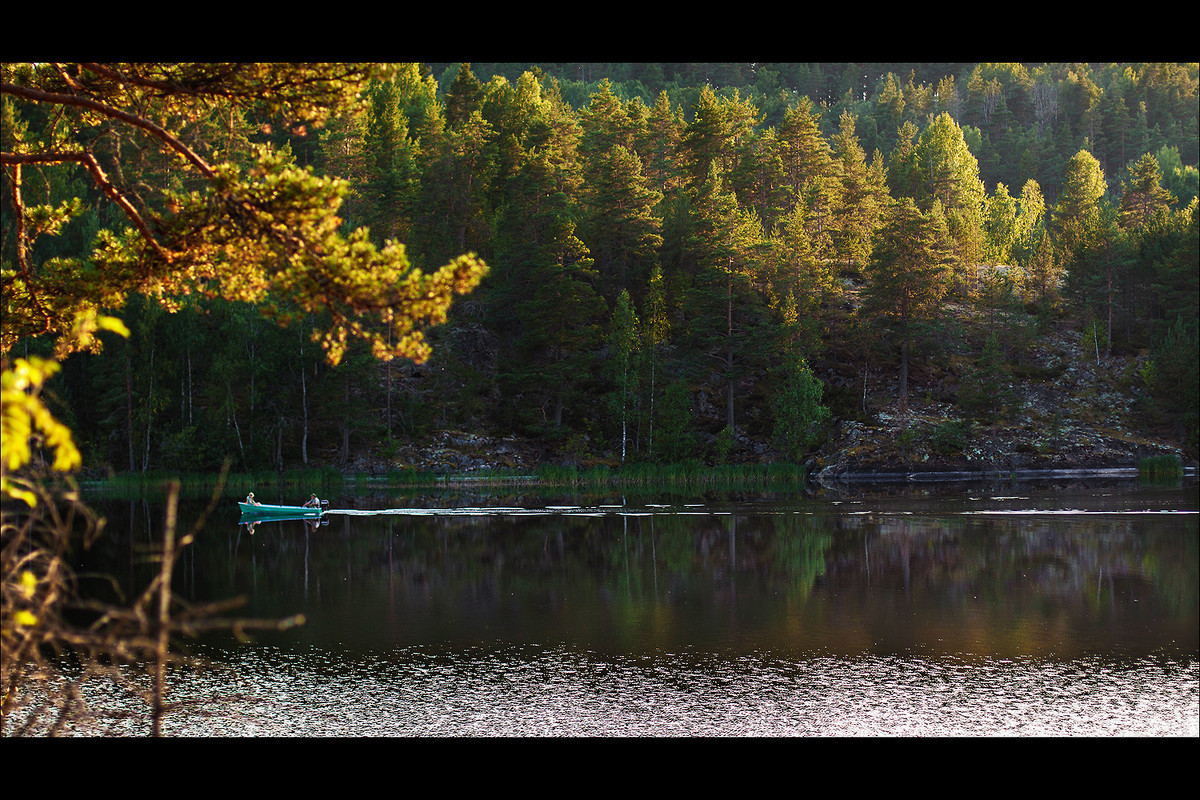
(280, 512)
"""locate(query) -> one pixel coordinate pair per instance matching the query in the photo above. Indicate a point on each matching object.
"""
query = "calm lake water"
(1040, 609)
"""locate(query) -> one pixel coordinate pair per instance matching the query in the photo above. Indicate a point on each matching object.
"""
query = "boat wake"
(494, 511)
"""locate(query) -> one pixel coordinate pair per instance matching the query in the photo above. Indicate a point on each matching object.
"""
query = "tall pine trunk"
(129, 403)
(729, 349)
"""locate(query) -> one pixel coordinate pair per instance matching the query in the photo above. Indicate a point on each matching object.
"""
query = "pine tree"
(949, 175)
(725, 244)
(1045, 271)
(343, 155)
(804, 153)
(1078, 201)
(797, 407)
(1176, 279)
(457, 208)
(799, 278)
(605, 122)
(658, 145)
(862, 200)
(620, 221)
(1099, 266)
(392, 182)
(266, 231)
(1000, 226)
(675, 442)
(1176, 373)
(656, 331)
(903, 174)
(986, 391)
(1031, 219)
(543, 298)
(464, 97)
(758, 179)
(718, 128)
(907, 277)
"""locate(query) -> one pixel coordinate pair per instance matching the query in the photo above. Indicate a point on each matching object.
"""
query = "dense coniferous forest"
(686, 263)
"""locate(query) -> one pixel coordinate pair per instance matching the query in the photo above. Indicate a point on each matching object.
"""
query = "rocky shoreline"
(914, 447)
(889, 457)
(1070, 413)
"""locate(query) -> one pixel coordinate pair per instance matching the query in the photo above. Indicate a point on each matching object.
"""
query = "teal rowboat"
(279, 512)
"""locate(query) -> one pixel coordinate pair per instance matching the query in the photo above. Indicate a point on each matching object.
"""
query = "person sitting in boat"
(250, 499)
(313, 502)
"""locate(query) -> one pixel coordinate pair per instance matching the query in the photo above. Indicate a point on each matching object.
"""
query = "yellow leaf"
(113, 324)
(9, 490)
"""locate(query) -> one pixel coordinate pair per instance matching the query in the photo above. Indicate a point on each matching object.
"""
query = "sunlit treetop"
(162, 161)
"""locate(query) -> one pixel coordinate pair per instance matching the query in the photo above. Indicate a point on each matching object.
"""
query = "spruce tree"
(1143, 196)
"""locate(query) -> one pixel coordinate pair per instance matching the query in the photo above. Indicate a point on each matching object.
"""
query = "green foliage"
(861, 200)
(949, 438)
(306, 224)
(1182, 181)
(724, 445)
(675, 439)
(742, 222)
(986, 391)
(908, 276)
(624, 354)
(799, 413)
(1000, 227)
(1143, 198)
(1079, 200)
(948, 175)
(1044, 269)
(1163, 466)
(1176, 374)
(258, 230)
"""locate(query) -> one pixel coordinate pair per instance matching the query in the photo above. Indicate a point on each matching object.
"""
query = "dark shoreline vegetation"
(1163, 469)
(551, 476)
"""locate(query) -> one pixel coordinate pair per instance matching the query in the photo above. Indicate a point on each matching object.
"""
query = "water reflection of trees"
(869, 575)
(1048, 557)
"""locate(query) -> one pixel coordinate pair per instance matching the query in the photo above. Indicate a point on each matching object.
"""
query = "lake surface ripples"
(554, 692)
(1066, 612)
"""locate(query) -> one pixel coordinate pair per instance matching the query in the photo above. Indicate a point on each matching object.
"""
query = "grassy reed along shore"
(327, 481)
